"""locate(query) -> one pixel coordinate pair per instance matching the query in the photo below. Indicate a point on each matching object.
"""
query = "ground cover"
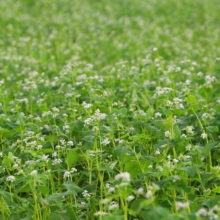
(109, 109)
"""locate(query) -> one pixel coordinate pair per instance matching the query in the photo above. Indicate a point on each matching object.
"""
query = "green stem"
(209, 159)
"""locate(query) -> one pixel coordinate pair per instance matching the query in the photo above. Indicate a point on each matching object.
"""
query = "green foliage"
(109, 109)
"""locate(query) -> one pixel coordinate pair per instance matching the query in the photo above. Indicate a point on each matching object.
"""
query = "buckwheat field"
(109, 110)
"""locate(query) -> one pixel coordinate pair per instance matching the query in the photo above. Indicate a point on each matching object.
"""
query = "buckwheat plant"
(109, 110)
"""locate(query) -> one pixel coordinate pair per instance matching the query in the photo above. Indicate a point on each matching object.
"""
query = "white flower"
(45, 158)
(54, 154)
(105, 142)
(56, 161)
(202, 212)
(209, 80)
(10, 179)
(157, 115)
(100, 213)
(183, 136)
(105, 201)
(140, 191)
(99, 116)
(39, 147)
(70, 143)
(162, 91)
(149, 194)
(141, 113)
(130, 198)
(86, 194)
(167, 134)
(157, 152)
(160, 168)
(88, 121)
(113, 206)
(188, 147)
(15, 166)
(169, 103)
(205, 116)
(188, 82)
(73, 170)
(86, 105)
(67, 174)
(58, 147)
(122, 184)
(182, 205)
(111, 189)
(189, 129)
(203, 135)
(1, 82)
(199, 74)
(95, 128)
(123, 176)
(33, 173)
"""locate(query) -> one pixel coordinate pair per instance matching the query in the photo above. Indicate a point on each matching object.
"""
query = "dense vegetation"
(109, 109)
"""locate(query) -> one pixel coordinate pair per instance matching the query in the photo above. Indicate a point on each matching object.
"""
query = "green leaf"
(71, 213)
(6, 162)
(177, 131)
(134, 96)
(211, 202)
(120, 151)
(5, 194)
(57, 216)
(134, 167)
(135, 205)
(191, 170)
(191, 99)
(149, 114)
(216, 190)
(132, 212)
(208, 147)
(72, 188)
(212, 129)
(159, 213)
(72, 158)
(44, 190)
(57, 197)
(138, 137)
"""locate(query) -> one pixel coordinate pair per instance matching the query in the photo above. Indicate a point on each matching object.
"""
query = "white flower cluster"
(157, 115)
(182, 205)
(86, 194)
(203, 135)
(67, 174)
(100, 213)
(211, 214)
(209, 80)
(105, 142)
(98, 116)
(178, 103)
(10, 179)
(167, 134)
(123, 176)
(113, 205)
(151, 190)
(189, 129)
(139, 113)
(162, 91)
(86, 105)
(66, 129)
(206, 116)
